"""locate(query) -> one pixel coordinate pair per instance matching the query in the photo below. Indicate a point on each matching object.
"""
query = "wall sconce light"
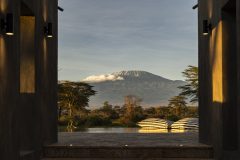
(7, 24)
(207, 27)
(48, 30)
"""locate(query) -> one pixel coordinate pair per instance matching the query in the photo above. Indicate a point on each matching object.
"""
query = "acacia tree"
(73, 96)
(178, 103)
(191, 88)
(131, 102)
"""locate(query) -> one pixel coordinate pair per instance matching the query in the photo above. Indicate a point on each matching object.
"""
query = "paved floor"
(127, 139)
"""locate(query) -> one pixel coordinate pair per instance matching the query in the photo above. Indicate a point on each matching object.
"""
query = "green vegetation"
(73, 97)
(125, 116)
(178, 103)
(191, 88)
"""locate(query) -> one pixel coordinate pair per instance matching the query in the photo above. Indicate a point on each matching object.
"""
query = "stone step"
(26, 155)
(151, 153)
(124, 159)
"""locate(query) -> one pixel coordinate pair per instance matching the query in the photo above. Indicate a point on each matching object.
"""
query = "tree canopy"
(75, 94)
(179, 104)
(191, 88)
(177, 101)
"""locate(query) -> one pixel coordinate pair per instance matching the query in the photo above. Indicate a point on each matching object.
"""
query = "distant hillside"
(153, 89)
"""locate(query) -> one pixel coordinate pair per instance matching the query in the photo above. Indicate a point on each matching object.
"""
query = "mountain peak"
(134, 73)
(138, 74)
(124, 75)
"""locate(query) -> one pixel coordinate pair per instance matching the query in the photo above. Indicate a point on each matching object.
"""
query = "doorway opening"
(132, 56)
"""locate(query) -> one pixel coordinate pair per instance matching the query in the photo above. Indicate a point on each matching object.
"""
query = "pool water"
(129, 130)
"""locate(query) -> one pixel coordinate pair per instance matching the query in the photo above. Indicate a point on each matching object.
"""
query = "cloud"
(102, 78)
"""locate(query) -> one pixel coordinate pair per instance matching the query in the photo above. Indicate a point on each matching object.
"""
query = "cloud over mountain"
(102, 78)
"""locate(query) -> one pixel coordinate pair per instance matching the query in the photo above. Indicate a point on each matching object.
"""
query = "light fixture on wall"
(48, 30)
(207, 27)
(7, 24)
(60, 9)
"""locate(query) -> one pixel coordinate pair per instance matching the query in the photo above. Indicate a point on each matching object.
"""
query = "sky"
(104, 36)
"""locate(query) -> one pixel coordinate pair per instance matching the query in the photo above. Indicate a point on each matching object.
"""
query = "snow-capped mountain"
(153, 89)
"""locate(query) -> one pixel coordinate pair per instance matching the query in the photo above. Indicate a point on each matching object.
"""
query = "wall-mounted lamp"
(7, 24)
(48, 30)
(60, 9)
(207, 27)
(195, 6)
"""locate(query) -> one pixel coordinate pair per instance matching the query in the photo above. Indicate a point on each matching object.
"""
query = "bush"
(98, 120)
(63, 121)
(173, 118)
(80, 121)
